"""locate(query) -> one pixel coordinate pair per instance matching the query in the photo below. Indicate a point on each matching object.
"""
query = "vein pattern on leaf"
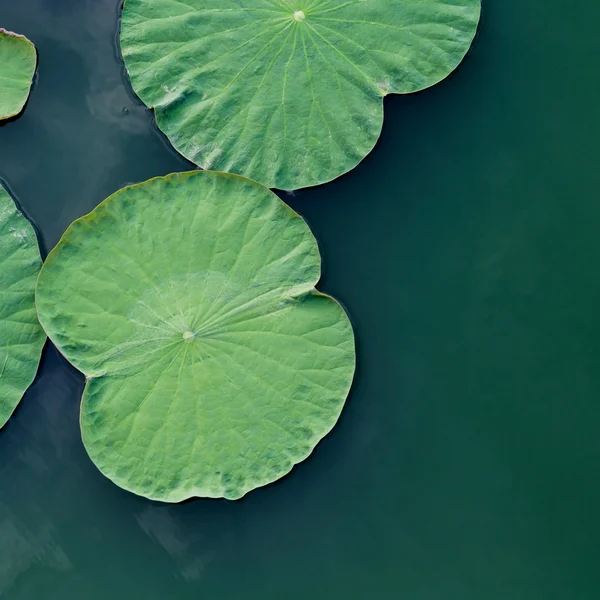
(18, 60)
(213, 365)
(21, 337)
(287, 93)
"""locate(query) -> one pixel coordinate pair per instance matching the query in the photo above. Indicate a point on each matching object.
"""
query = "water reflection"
(23, 548)
(85, 120)
(35, 449)
(158, 523)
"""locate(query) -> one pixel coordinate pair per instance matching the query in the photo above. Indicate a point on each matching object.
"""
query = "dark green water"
(466, 249)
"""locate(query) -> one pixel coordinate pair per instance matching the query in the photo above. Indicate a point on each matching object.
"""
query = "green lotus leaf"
(287, 92)
(213, 365)
(18, 60)
(21, 337)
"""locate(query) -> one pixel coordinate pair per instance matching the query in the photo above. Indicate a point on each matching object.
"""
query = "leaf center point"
(299, 16)
(188, 337)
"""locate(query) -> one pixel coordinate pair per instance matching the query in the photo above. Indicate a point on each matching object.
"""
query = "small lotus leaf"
(213, 365)
(287, 92)
(21, 337)
(18, 60)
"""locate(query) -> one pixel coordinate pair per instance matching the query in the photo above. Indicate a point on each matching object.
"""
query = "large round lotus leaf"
(213, 365)
(17, 66)
(21, 337)
(287, 92)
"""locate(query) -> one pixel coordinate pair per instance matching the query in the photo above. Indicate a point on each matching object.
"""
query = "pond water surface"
(466, 249)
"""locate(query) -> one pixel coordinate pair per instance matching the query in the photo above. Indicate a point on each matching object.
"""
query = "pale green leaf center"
(188, 337)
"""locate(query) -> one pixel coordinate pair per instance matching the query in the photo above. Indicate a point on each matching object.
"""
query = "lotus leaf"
(213, 365)
(21, 337)
(287, 92)
(18, 60)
